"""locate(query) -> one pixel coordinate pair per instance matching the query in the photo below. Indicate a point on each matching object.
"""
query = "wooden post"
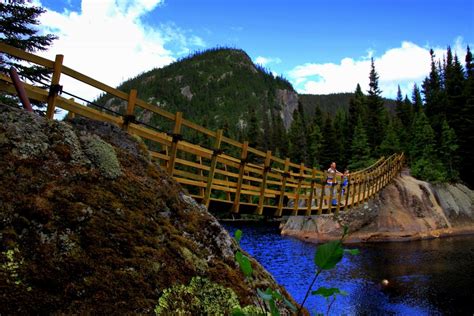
(321, 197)
(368, 180)
(129, 116)
(201, 173)
(361, 186)
(297, 191)
(311, 193)
(331, 193)
(174, 145)
(227, 194)
(347, 192)
(339, 195)
(283, 186)
(54, 89)
(263, 187)
(243, 162)
(210, 177)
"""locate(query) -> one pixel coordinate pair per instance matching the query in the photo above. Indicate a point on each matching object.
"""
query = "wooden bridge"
(250, 181)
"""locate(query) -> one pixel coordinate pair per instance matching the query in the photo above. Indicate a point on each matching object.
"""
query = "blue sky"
(320, 46)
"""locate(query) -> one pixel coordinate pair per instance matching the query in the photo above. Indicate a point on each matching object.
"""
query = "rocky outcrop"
(89, 225)
(407, 209)
(288, 101)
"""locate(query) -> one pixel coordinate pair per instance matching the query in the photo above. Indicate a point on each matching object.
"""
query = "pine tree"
(424, 161)
(315, 146)
(357, 108)
(340, 129)
(17, 28)
(254, 133)
(375, 115)
(466, 125)
(329, 141)
(416, 99)
(434, 95)
(403, 109)
(298, 150)
(448, 151)
(391, 142)
(360, 148)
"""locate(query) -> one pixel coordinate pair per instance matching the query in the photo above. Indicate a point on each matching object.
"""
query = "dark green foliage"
(448, 151)
(297, 139)
(328, 255)
(18, 28)
(329, 143)
(425, 163)
(360, 148)
(315, 146)
(391, 142)
(416, 99)
(375, 111)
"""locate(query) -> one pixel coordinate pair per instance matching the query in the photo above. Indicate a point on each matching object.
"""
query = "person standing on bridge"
(331, 181)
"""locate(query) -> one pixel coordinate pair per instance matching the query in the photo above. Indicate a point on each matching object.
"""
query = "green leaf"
(244, 264)
(328, 255)
(264, 295)
(238, 312)
(238, 235)
(273, 308)
(289, 304)
(277, 295)
(328, 292)
(353, 252)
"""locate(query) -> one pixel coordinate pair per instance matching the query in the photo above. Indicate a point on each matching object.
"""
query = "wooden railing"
(276, 186)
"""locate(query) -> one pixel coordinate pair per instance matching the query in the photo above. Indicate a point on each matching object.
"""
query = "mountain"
(217, 88)
(223, 88)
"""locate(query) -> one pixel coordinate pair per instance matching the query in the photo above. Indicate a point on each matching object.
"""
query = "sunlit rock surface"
(406, 209)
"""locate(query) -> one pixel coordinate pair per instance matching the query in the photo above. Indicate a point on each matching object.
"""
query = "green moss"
(200, 297)
(102, 156)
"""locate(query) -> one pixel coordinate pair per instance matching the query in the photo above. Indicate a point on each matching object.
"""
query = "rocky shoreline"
(407, 209)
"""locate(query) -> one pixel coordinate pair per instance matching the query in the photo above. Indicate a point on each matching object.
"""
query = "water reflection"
(432, 277)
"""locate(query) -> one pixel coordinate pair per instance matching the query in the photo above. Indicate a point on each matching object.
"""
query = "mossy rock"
(102, 155)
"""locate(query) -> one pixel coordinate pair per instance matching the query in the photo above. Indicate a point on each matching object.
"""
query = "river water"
(430, 277)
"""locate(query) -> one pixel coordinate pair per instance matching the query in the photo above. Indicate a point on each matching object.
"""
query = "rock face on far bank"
(407, 209)
(89, 225)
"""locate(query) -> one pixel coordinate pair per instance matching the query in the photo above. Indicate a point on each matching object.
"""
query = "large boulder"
(89, 225)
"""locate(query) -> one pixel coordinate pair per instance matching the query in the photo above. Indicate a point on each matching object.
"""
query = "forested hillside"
(222, 88)
(219, 88)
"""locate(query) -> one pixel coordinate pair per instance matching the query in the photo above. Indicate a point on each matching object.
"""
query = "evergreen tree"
(448, 151)
(391, 142)
(340, 128)
(254, 133)
(18, 23)
(329, 141)
(279, 137)
(416, 99)
(360, 148)
(298, 151)
(454, 80)
(434, 95)
(315, 146)
(424, 161)
(403, 109)
(357, 108)
(465, 126)
(318, 117)
(375, 115)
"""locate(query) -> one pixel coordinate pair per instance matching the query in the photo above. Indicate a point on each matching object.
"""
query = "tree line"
(433, 127)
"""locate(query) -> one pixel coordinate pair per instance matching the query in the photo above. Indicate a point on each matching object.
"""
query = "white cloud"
(108, 41)
(404, 66)
(267, 60)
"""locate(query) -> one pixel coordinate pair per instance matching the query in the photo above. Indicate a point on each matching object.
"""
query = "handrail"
(211, 174)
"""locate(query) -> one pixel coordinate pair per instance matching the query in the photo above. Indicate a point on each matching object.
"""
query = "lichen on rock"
(102, 155)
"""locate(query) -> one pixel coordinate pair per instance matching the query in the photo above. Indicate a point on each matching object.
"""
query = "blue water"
(431, 277)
